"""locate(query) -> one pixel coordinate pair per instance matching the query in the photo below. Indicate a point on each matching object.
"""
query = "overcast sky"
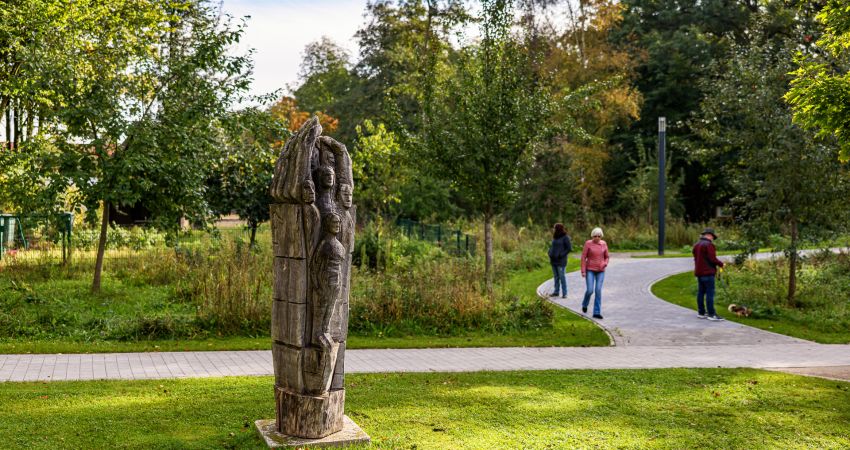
(278, 31)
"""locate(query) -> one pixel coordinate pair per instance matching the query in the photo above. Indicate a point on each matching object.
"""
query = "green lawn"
(14, 346)
(671, 408)
(819, 324)
(122, 301)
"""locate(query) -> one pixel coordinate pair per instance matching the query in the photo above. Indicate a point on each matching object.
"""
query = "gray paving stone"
(776, 355)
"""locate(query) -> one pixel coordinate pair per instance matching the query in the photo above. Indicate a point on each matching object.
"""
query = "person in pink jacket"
(594, 260)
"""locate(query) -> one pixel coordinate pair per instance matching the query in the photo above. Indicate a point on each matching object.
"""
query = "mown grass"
(670, 408)
(821, 312)
(58, 345)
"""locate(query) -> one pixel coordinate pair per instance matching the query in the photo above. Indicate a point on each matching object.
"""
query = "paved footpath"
(633, 316)
(646, 332)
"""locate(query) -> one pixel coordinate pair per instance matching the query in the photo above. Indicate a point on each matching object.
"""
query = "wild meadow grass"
(631, 235)
(820, 312)
(211, 289)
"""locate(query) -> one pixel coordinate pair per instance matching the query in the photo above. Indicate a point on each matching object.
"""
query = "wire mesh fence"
(36, 242)
(40, 240)
(36, 232)
(453, 241)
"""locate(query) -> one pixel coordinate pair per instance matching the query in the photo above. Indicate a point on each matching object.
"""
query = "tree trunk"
(16, 127)
(28, 134)
(101, 248)
(8, 113)
(488, 252)
(792, 264)
(254, 226)
(39, 119)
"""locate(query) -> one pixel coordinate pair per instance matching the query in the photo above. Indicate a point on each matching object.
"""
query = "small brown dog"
(740, 311)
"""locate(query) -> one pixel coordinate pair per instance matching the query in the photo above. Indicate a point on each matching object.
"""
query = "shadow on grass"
(670, 408)
(678, 408)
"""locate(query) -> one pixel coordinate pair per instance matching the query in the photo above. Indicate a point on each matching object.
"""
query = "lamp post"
(662, 181)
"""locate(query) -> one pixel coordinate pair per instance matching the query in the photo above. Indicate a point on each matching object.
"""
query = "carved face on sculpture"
(345, 195)
(308, 192)
(331, 223)
(326, 176)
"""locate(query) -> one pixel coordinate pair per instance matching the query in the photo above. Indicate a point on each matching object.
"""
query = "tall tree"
(675, 43)
(133, 120)
(484, 122)
(326, 83)
(783, 179)
(404, 47)
(37, 40)
(581, 64)
(242, 171)
(377, 172)
(287, 111)
(403, 44)
(820, 91)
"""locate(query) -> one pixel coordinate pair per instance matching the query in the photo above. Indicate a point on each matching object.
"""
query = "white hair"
(596, 232)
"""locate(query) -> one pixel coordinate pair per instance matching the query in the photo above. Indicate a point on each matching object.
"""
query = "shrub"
(134, 238)
(823, 300)
(633, 235)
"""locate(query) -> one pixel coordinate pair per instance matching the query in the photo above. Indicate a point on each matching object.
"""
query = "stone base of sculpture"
(350, 434)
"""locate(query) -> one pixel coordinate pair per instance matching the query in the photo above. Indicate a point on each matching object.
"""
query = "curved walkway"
(633, 316)
(647, 333)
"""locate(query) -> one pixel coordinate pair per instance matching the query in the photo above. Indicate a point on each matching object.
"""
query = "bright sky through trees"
(278, 31)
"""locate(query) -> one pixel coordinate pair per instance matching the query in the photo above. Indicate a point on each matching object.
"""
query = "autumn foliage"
(286, 109)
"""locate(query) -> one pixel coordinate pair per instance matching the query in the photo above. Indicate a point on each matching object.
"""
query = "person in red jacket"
(705, 269)
(594, 260)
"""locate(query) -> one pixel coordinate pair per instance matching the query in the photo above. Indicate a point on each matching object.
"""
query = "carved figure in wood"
(313, 238)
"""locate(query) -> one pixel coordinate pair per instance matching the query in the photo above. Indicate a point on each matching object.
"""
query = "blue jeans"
(560, 279)
(594, 284)
(706, 290)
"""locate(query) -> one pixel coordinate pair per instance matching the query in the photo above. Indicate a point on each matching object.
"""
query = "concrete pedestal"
(349, 435)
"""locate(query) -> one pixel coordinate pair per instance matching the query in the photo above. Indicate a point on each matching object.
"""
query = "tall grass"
(619, 234)
(679, 235)
(823, 288)
(233, 289)
(216, 285)
(420, 289)
(219, 286)
(438, 297)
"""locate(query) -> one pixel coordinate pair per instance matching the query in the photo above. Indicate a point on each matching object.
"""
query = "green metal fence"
(453, 241)
(14, 231)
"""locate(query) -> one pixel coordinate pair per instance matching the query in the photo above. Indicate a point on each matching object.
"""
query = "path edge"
(658, 280)
(541, 292)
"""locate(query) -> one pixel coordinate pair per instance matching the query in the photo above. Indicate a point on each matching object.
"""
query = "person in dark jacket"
(705, 269)
(558, 251)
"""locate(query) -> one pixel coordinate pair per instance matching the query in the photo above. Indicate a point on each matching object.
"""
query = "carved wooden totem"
(313, 236)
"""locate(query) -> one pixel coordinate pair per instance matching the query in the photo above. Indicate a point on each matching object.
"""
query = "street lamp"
(662, 181)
